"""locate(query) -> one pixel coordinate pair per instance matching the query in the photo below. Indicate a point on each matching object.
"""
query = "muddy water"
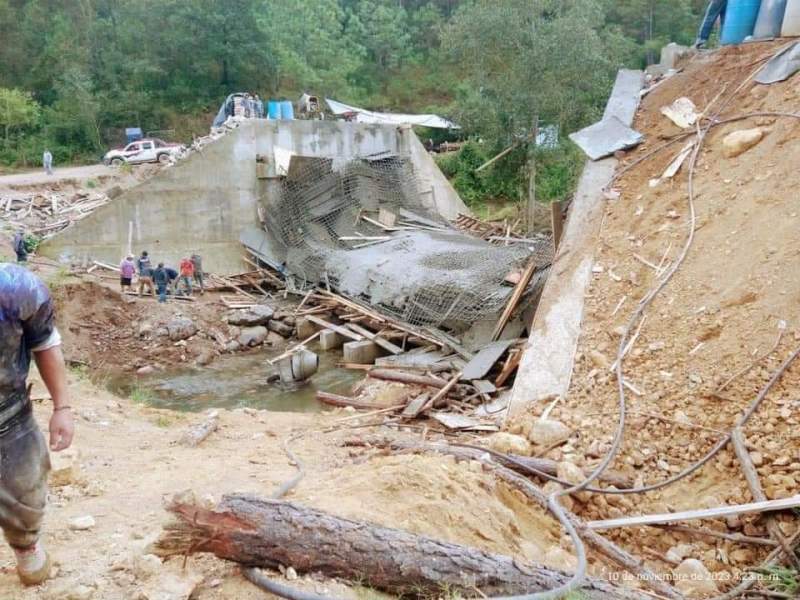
(235, 381)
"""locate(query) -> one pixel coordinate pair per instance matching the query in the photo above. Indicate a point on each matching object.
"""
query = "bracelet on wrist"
(65, 407)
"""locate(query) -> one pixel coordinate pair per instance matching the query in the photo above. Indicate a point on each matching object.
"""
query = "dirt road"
(39, 177)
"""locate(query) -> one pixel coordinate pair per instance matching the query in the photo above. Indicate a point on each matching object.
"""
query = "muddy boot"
(33, 565)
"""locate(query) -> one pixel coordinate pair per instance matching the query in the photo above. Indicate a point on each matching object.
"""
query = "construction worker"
(28, 330)
(197, 262)
(145, 269)
(715, 10)
(126, 271)
(187, 275)
(162, 281)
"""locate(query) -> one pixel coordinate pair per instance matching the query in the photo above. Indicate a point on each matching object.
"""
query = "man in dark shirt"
(19, 246)
(161, 280)
(27, 329)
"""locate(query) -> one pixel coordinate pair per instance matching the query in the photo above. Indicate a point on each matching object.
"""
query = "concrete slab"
(330, 340)
(606, 137)
(362, 353)
(546, 367)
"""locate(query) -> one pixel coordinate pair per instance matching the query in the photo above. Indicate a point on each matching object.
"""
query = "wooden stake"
(753, 482)
(519, 290)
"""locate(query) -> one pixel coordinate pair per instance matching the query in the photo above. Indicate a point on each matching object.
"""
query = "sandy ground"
(129, 462)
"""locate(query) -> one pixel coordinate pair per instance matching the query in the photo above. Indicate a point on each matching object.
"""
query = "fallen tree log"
(268, 533)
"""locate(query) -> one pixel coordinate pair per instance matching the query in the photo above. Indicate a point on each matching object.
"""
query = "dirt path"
(39, 177)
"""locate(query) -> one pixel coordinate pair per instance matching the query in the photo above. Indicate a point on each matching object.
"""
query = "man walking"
(187, 275)
(162, 281)
(19, 246)
(715, 10)
(27, 328)
(126, 271)
(47, 161)
(145, 274)
(197, 263)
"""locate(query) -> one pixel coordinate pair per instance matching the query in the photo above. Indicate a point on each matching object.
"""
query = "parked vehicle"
(143, 151)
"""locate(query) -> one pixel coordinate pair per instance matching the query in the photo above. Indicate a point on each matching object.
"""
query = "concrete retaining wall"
(204, 202)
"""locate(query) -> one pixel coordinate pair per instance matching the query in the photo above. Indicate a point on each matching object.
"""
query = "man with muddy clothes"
(27, 329)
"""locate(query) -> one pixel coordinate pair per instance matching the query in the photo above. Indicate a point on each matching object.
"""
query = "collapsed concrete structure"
(205, 201)
(306, 197)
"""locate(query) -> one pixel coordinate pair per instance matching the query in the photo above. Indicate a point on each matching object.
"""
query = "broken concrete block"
(741, 141)
(330, 340)
(305, 328)
(672, 53)
(280, 328)
(253, 336)
(257, 315)
(362, 353)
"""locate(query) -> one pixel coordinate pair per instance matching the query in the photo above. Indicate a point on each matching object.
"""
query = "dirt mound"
(437, 497)
(719, 313)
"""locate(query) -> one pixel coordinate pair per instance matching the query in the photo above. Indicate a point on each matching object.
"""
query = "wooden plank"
(519, 290)
(383, 343)
(514, 358)
(483, 362)
(442, 393)
(414, 407)
(340, 330)
(706, 513)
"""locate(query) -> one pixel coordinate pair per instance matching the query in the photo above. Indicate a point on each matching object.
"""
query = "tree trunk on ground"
(268, 533)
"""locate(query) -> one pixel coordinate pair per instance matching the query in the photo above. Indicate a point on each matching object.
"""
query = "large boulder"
(258, 315)
(181, 328)
(253, 336)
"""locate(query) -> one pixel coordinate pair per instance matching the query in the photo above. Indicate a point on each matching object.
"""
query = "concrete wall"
(546, 367)
(203, 203)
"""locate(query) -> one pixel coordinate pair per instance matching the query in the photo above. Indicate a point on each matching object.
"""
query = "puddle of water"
(235, 381)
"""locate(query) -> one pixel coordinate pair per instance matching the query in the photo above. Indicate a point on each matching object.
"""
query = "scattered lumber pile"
(254, 531)
(47, 214)
(498, 234)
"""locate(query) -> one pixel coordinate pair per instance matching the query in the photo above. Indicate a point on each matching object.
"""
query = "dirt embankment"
(722, 310)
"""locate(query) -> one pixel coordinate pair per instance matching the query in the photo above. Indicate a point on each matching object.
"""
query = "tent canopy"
(368, 116)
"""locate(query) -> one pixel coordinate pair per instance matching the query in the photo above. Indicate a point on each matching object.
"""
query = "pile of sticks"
(498, 234)
(46, 215)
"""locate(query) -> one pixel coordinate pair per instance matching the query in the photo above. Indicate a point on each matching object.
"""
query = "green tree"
(17, 109)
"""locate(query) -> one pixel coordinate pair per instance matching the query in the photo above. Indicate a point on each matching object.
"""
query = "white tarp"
(367, 116)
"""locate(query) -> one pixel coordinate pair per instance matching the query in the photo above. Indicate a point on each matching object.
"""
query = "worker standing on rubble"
(161, 280)
(258, 106)
(145, 273)
(27, 328)
(715, 10)
(187, 275)
(126, 271)
(197, 263)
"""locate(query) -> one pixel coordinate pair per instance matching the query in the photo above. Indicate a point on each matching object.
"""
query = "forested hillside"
(74, 73)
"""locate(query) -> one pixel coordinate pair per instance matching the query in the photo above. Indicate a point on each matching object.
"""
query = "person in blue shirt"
(27, 330)
(715, 10)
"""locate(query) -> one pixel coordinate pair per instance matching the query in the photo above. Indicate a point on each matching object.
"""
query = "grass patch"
(781, 579)
(91, 184)
(80, 372)
(163, 421)
(140, 395)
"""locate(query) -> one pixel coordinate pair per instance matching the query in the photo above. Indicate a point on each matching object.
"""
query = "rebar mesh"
(418, 269)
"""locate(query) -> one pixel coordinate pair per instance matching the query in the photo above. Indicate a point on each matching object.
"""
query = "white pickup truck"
(143, 151)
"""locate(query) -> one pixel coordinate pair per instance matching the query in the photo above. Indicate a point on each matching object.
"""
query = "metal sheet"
(606, 137)
(483, 362)
(781, 67)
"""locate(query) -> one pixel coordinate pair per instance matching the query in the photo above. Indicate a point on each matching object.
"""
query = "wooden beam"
(383, 343)
(519, 290)
(343, 331)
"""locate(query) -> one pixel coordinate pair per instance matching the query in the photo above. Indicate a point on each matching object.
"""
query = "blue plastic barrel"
(287, 111)
(740, 20)
(274, 110)
(770, 19)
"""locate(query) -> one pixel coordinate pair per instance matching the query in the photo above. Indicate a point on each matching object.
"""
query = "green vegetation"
(141, 395)
(782, 580)
(73, 75)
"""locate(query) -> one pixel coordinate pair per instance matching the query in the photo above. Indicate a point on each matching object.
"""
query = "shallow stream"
(236, 381)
